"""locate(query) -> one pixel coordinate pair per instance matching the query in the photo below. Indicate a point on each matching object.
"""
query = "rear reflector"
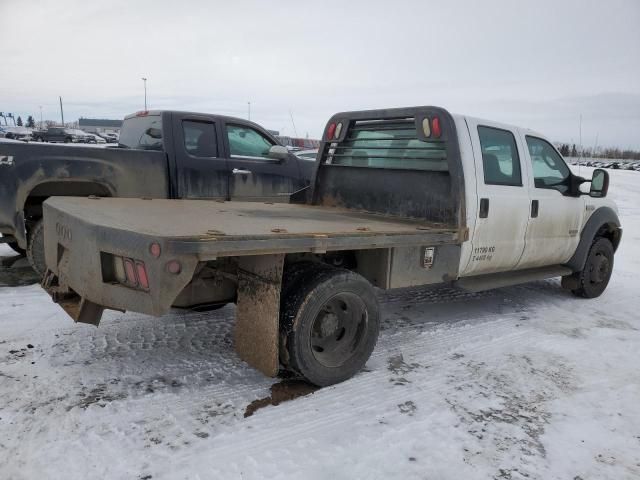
(142, 275)
(130, 272)
(435, 127)
(331, 131)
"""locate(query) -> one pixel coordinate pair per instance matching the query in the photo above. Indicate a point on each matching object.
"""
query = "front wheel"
(593, 279)
(329, 324)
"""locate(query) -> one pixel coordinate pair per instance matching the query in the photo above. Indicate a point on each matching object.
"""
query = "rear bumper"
(74, 253)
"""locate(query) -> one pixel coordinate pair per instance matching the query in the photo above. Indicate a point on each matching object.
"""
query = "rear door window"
(143, 132)
(247, 142)
(200, 138)
(500, 159)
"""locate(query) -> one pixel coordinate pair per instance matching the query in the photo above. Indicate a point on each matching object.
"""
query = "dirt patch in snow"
(281, 392)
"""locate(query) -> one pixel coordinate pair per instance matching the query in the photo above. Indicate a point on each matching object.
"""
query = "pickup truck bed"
(214, 229)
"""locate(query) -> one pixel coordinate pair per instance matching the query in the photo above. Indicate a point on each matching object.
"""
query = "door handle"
(484, 207)
(534, 208)
(239, 171)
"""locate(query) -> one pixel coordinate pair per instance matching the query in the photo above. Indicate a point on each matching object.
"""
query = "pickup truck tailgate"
(79, 232)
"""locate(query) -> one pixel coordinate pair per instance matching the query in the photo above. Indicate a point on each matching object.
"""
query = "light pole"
(40, 117)
(145, 93)
(249, 110)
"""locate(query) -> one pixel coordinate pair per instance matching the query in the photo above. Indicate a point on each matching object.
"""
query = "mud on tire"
(329, 322)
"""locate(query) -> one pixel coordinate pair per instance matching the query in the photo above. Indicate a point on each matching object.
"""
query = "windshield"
(144, 132)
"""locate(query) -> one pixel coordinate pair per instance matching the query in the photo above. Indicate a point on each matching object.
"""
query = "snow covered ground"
(525, 382)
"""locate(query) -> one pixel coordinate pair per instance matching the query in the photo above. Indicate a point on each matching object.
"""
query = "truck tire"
(594, 277)
(35, 248)
(329, 323)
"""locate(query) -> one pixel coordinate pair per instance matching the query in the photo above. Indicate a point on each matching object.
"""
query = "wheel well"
(33, 204)
(610, 232)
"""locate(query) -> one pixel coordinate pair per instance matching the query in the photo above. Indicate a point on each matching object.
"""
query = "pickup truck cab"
(400, 197)
(161, 154)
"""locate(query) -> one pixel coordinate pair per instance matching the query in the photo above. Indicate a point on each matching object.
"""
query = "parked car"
(61, 135)
(93, 138)
(307, 154)
(206, 156)
(23, 134)
(400, 198)
(109, 137)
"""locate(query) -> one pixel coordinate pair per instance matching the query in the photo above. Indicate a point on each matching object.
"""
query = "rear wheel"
(329, 323)
(593, 279)
(35, 248)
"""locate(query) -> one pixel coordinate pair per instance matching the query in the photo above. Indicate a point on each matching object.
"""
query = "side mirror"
(278, 152)
(599, 183)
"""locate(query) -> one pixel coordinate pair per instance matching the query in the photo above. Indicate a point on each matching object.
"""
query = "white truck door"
(503, 199)
(553, 232)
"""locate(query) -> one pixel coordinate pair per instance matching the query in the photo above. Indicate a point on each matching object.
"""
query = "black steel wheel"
(594, 277)
(329, 323)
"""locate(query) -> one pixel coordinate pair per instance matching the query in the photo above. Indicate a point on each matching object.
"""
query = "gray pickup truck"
(161, 154)
(400, 197)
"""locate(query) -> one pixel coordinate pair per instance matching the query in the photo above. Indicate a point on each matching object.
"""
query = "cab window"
(549, 169)
(200, 138)
(500, 159)
(247, 142)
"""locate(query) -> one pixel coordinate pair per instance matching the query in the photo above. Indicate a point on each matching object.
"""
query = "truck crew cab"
(400, 197)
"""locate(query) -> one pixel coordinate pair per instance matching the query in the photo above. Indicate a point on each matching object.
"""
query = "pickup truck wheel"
(35, 248)
(329, 324)
(594, 277)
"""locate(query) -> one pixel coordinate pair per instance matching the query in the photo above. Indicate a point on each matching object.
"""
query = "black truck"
(160, 154)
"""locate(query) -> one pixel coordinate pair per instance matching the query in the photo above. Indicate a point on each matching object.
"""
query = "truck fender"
(603, 222)
(72, 188)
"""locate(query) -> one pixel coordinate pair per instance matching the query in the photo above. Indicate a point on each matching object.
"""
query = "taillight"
(143, 279)
(338, 130)
(130, 272)
(435, 127)
(331, 131)
(426, 127)
(118, 270)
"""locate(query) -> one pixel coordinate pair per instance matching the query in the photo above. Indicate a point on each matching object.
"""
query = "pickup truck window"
(500, 159)
(143, 132)
(247, 142)
(389, 144)
(549, 169)
(200, 138)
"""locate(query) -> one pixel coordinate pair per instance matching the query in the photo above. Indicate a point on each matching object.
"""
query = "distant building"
(99, 125)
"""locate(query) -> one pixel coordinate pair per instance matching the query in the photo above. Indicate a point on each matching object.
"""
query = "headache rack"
(394, 143)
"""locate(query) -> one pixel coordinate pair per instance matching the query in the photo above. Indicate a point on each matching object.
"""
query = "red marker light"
(174, 267)
(436, 130)
(142, 275)
(331, 131)
(154, 249)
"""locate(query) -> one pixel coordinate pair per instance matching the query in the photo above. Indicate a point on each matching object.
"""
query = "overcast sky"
(538, 64)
